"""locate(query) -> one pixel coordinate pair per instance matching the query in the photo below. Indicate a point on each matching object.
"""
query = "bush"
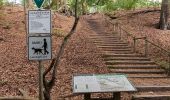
(1, 3)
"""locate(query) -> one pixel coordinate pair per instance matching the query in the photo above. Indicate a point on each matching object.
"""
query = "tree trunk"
(163, 22)
(48, 84)
(30, 4)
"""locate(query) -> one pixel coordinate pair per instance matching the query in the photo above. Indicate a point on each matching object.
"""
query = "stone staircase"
(150, 80)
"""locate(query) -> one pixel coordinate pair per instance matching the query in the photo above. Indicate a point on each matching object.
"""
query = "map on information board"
(39, 21)
(101, 83)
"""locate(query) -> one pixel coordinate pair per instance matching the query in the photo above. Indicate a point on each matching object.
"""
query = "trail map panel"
(39, 21)
(39, 48)
(101, 83)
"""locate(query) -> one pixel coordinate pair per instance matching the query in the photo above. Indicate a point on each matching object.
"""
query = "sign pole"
(40, 80)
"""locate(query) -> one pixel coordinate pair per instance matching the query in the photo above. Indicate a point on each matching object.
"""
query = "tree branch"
(55, 62)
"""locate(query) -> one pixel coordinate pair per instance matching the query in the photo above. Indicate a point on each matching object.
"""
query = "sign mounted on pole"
(39, 48)
(39, 3)
(39, 21)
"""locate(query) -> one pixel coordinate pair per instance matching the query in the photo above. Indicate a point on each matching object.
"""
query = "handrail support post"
(169, 64)
(120, 33)
(134, 44)
(146, 47)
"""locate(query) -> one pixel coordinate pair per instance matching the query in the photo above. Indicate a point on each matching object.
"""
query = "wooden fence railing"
(118, 29)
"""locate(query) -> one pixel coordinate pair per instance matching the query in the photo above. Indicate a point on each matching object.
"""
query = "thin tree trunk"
(48, 84)
(163, 23)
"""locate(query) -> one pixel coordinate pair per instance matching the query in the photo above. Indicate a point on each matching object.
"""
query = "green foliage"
(1, 3)
(164, 64)
(59, 33)
(85, 6)
(146, 3)
(128, 4)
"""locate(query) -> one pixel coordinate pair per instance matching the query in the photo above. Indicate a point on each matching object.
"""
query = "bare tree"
(165, 8)
(48, 84)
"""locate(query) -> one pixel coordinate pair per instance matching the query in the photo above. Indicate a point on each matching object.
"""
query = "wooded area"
(99, 17)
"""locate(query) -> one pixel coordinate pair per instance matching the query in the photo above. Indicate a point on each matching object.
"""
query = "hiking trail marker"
(39, 48)
(39, 3)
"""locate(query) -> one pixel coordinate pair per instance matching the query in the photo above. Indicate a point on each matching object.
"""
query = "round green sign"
(39, 3)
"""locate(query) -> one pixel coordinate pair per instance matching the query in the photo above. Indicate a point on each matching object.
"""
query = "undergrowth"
(59, 33)
(162, 63)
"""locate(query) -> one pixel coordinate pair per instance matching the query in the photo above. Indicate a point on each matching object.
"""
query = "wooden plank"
(153, 88)
(151, 97)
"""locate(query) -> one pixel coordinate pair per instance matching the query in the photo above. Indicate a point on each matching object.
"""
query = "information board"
(39, 48)
(39, 21)
(101, 83)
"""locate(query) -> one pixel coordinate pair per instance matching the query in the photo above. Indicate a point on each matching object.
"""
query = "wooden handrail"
(146, 43)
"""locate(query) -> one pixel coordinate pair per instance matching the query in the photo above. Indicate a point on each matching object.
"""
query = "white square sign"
(39, 48)
(39, 21)
(98, 83)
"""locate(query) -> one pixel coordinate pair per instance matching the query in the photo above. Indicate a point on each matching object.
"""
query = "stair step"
(150, 81)
(153, 88)
(104, 37)
(151, 97)
(145, 75)
(133, 67)
(111, 44)
(121, 55)
(116, 50)
(127, 58)
(151, 77)
(129, 62)
(139, 71)
(104, 40)
(114, 47)
(105, 34)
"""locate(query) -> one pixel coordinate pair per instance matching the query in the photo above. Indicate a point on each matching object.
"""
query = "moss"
(59, 33)
(163, 64)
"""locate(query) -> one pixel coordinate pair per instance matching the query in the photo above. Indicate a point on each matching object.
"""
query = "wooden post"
(114, 25)
(40, 81)
(116, 96)
(134, 45)
(169, 64)
(87, 96)
(146, 47)
(120, 33)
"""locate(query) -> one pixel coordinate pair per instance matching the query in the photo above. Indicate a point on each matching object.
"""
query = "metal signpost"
(39, 39)
(101, 83)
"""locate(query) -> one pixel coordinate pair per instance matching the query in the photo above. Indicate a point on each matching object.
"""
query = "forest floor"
(80, 55)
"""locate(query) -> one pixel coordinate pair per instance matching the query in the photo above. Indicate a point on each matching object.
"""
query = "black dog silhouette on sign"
(42, 50)
(37, 51)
